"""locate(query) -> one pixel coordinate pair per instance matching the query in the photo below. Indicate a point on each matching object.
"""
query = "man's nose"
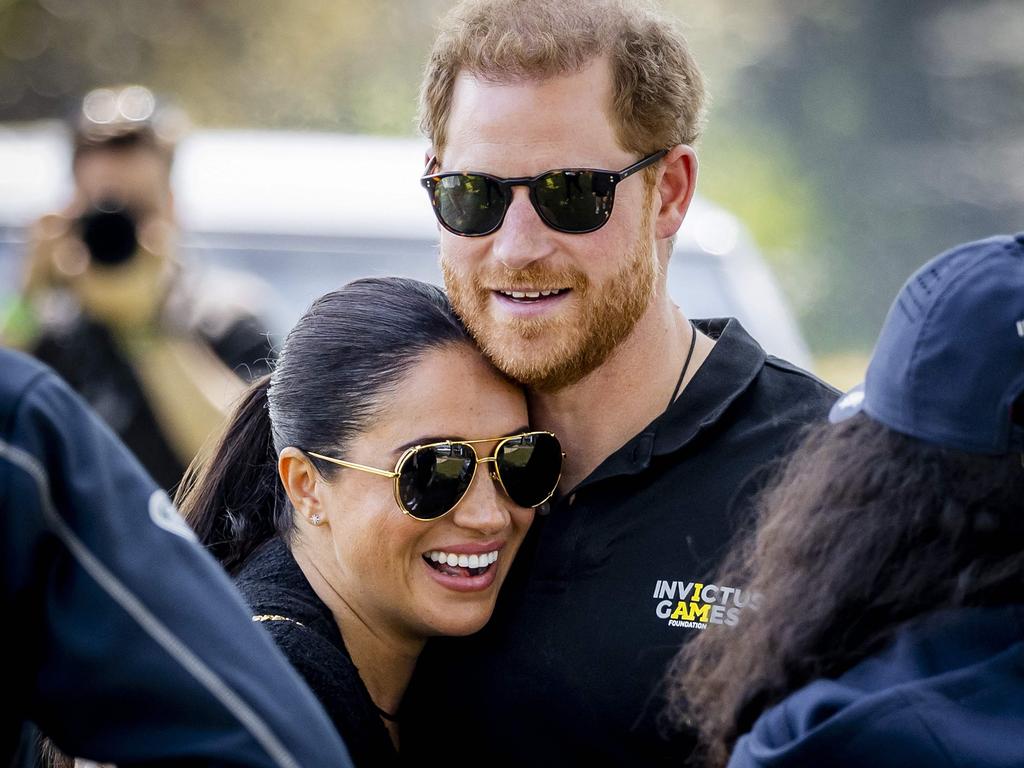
(523, 238)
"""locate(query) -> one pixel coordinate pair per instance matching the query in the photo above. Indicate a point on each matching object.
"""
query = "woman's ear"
(303, 484)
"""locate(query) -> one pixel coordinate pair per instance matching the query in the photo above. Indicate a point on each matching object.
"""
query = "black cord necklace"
(393, 718)
(686, 366)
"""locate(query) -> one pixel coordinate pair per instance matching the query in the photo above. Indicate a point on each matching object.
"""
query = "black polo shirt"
(614, 578)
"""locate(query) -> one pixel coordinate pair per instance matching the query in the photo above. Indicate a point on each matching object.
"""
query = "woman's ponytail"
(232, 498)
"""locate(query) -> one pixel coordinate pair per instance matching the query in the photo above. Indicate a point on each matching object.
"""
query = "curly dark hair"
(863, 530)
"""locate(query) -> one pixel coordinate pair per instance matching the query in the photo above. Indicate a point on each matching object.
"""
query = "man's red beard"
(548, 354)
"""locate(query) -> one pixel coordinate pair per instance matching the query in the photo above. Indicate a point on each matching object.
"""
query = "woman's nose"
(485, 508)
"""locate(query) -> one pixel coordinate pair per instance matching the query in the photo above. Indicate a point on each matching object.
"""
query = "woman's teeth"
(462, 561)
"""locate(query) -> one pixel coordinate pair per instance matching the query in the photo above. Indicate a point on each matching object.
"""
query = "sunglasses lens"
(434, 478)
(467, 203)
(529, 466)
(575, 201)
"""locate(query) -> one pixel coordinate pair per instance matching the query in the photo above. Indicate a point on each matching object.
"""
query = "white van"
(310, 211)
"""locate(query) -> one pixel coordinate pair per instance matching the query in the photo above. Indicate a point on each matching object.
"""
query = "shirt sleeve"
(131, 644)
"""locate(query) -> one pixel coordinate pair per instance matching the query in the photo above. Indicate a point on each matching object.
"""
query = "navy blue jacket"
(126, 641)
(947, 693)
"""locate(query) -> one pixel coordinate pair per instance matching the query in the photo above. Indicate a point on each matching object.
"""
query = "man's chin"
(533, 362)
(538, 378)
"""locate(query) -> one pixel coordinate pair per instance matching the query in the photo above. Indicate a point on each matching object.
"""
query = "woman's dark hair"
(50, 756)
(863, 530)
(337, 364)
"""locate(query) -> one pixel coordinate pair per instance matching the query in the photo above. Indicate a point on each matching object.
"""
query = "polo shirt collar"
(730, 368)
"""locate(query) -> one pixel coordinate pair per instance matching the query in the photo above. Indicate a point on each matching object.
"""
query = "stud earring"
(316, 518)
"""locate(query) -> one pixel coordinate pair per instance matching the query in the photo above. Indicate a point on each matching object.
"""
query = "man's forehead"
(591, 83)
(114, 161)
(566, 119)
(136, 172)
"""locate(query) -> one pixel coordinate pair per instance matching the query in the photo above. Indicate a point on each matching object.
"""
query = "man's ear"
(677, 181)
(302, 483)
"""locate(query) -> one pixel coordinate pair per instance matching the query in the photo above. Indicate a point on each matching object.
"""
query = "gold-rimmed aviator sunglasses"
(430, 480)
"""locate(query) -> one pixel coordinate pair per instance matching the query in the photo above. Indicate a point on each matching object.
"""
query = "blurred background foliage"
(855, 139)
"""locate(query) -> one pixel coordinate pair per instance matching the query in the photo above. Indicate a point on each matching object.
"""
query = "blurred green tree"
(874, 135)
(348, 65)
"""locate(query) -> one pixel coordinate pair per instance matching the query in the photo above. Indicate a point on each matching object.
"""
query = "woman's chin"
(458, 601)
(460, 627)
(458, 615)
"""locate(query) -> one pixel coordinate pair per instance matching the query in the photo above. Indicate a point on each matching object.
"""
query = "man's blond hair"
(658, 99)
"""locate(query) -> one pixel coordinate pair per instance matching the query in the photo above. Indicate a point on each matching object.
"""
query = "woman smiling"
(346, 496)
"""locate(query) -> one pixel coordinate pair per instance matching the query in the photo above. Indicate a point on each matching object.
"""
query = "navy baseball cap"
(948, 367)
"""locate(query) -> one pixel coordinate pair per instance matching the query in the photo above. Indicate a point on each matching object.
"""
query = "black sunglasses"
(430, 480)
(575, 200)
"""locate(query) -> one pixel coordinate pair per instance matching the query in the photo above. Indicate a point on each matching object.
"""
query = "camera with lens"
(110, 232)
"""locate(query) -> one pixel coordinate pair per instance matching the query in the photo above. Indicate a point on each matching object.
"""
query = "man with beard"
(559, 271)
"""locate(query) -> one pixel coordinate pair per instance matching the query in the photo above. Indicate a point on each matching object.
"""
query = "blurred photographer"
(159, 350)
